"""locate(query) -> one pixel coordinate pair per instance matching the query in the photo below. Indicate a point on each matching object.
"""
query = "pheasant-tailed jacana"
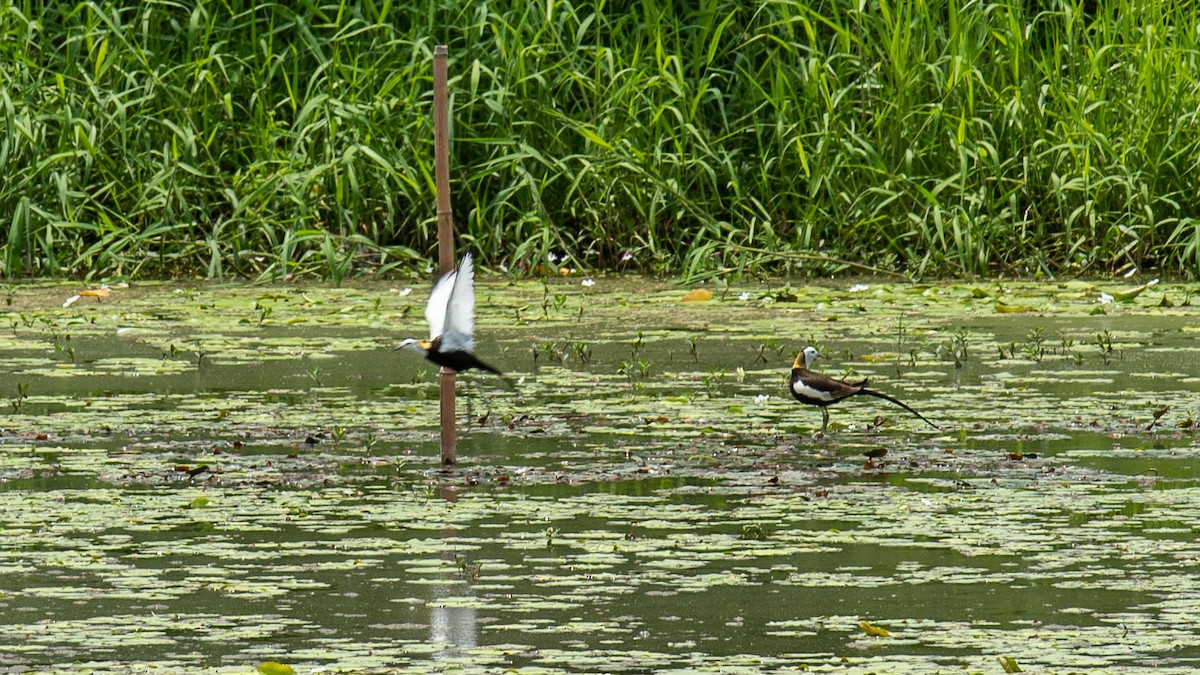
(451, 316)
(813, 388)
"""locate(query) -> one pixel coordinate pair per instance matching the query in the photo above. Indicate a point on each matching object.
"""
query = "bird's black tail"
(885, 397)
(508, 383)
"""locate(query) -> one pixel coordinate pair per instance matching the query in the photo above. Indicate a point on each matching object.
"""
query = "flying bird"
(451, 316)
(813, 388)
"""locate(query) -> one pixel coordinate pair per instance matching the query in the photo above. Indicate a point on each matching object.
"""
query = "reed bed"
(924, 137)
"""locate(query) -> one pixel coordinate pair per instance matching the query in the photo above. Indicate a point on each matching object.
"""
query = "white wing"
(459, 333)
(439, 299)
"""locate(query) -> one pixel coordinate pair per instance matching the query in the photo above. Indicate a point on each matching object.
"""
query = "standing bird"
(812, 388)
(451, 316)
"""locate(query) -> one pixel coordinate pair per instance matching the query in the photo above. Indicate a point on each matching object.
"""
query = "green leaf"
(1009, 664)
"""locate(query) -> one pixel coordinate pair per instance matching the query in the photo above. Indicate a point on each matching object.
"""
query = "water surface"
(206, 478)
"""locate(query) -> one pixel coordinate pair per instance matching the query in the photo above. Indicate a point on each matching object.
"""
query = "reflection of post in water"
(455, 625)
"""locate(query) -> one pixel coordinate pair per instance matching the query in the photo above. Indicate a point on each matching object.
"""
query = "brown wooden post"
(441, 154)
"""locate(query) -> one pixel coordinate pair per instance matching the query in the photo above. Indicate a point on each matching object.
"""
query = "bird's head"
(415, 345)
(809, 355)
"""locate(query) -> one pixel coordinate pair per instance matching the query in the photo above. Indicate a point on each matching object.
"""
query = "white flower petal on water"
(588, 283)
(744, 296)
(859, 288)
(403, 292)
(1104, 299)
(71, 300)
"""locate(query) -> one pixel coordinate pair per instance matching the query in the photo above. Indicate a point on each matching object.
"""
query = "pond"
(209, 478)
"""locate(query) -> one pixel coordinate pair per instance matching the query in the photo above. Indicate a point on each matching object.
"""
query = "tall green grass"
(921, 136)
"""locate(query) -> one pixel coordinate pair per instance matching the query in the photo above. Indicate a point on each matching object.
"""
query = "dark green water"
(187, 485)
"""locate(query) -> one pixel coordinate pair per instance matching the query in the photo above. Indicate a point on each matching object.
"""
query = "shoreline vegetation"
(921, 138)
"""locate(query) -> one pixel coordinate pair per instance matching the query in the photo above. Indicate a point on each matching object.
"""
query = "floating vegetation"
(649, 497)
